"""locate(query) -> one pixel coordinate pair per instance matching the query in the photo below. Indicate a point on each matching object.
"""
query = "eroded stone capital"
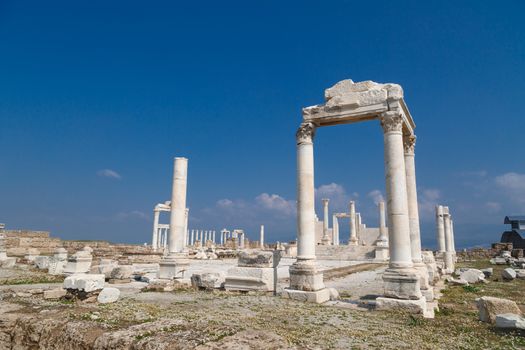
(409, 144)
(391, 122)
(305, 133)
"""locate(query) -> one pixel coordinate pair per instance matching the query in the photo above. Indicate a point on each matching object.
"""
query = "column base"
(416, 306)
(173, 266)
(422, 270)
(402, 284)
(325, 241)
(353, 242)
(381, 253)
(305, 276)
(318, 297)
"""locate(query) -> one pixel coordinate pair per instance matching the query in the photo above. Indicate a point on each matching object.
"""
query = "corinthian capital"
(305, 133)
(391, 122)
(409, 144)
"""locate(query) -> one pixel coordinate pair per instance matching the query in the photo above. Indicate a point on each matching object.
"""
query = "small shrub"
(471, 289)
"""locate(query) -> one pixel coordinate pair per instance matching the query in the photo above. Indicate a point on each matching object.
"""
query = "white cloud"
(511, 181)
(111, 174)
(130, 215)
(277, 203)
(376, 196)
(428, 199)
(493, 207)
(337, 195)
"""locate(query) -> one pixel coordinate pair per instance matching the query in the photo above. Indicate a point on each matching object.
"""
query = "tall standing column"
(213, 237)
(358, 225)
(440, 229)
(401, 280)
(335, 230)
(261, 237)
(178, 206)
(383, 236)
(453, 239)
(155, 238)
(192, 239)
(409, 144)
(304, 276)
(449, 256)
(186, 218)
(353, 226)
(325, 240)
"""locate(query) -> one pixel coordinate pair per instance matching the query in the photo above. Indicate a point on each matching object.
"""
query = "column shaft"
(413, 211)
(178, 206)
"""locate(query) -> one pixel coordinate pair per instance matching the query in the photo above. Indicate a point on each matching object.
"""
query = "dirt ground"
(191, 319)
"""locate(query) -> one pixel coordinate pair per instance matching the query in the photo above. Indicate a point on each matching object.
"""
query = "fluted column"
(413, 211)
(353, 226)
(440, 229)
(326, 239)
(396, 191)
(178, 206)
(155, 238)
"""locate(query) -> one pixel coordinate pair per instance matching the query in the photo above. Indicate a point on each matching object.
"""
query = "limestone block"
(88, 250)
(498, 261)
(381, 254)
(306, 277)
(56, 266)
(415, 306)
(170, 268)
(42, 262)
(80, 262)
(8, 263)
(108, 295)
(506, 254)
(61, 253)
(207, 280)
(520, 274)
(508, 274)
(489, 307)
(402, 284)
(472, 276)
(250, 278)
(139, 269)
(122, 272)
(510, 321)
(259, 259)
(105, 267)
(85, 282)
(31, 254)
(456, 282)
(318, 296)
(201, 255)
(212, 256)
(54, 293)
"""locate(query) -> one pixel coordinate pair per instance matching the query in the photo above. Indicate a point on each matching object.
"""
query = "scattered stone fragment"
(207, 280)
(510, 321)
(508, 274)
(84, 282)
(489, 307)
(456, 282)
(54, 293)
(472, 276)
(108, 295)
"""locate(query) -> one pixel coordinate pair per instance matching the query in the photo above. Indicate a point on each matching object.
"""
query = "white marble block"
(85, 282)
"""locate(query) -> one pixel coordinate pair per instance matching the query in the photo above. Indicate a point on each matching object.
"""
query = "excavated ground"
(219, 320)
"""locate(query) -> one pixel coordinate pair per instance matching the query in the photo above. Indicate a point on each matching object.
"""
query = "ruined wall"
(19, 241)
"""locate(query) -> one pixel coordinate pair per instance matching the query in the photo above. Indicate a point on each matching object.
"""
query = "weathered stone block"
(414, 306)
(402, 284)
(489, 307)
(250, 278)
(508, 274)
(122, 272)
(472, 276)
(84, 282)
(259, 259)
(207, 280)
(54, 293)
(318, 296)
(510, 321)
(108, 295)
(41, 262)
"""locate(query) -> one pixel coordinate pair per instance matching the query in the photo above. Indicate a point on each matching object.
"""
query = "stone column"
(409, 144)
(213, 236)
(440, 229)
(174, 266)
(452, 235)
(178, 206)
(358, 225)
(261, 237)
(449, 255)
(401, 279)
(335, 230)
(154, 240)
(186, 218)
(306, 281)
(192, 239)
(325, 240)
(383, 236)
(353, 226)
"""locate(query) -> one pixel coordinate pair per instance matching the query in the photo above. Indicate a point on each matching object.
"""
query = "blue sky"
(96, 99)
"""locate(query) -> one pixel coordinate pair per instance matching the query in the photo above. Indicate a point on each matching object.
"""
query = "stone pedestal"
(80, 262)
(256, 270)
(381, 253)
(402, 284)
(414, 306)
(173, 267)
